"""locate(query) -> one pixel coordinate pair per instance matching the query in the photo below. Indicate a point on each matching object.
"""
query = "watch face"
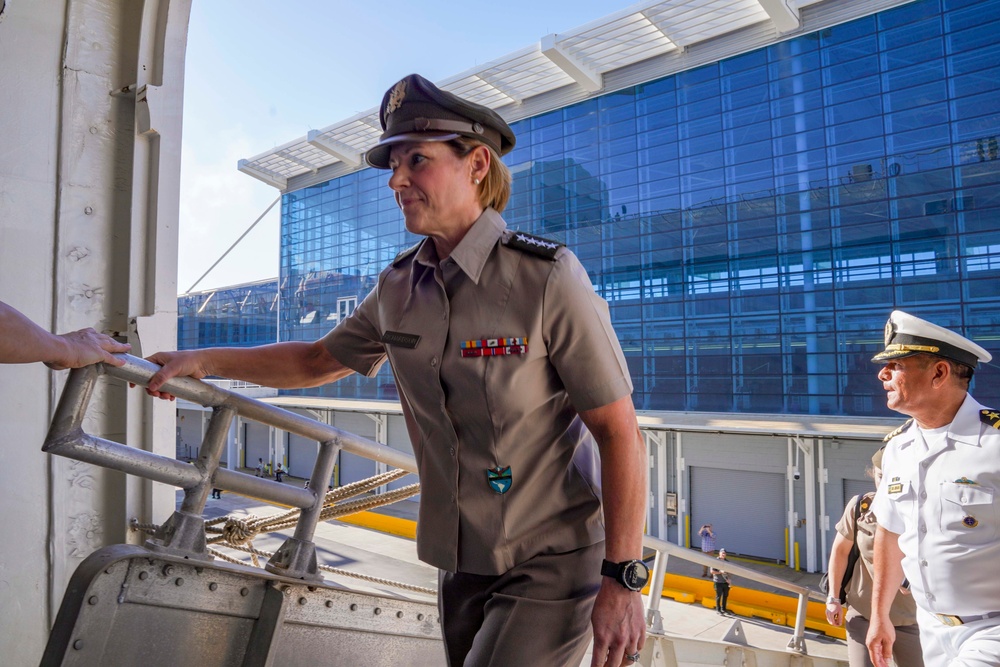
(635, 575)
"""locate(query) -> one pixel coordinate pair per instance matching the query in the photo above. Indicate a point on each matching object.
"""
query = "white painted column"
(681, 492)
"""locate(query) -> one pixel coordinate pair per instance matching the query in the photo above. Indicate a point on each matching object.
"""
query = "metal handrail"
(667, 549)
(184, 532)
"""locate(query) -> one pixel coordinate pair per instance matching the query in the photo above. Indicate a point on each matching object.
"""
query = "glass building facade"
(237, 316)
(751, 222)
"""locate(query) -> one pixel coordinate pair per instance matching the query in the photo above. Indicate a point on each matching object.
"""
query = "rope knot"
(240, 530)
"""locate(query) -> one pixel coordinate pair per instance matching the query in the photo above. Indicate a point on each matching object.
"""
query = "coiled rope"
(238, 532)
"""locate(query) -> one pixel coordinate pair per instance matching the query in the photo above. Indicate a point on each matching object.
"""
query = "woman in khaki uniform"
(906, 651)
(512, 381)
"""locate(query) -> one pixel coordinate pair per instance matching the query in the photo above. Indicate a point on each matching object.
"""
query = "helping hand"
(174, 364)
(86, 347)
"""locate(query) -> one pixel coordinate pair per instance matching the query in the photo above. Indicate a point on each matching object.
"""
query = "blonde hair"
(494, 190)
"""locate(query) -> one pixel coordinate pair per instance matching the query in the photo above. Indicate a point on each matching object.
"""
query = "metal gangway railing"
(183, 534)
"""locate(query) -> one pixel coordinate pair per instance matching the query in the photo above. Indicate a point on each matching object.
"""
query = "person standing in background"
(707, 544)
(722, 582)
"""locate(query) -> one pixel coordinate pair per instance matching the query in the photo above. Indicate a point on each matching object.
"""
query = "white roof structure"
(571, 67)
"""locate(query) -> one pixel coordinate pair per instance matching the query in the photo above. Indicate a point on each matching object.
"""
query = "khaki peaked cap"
(414, 109)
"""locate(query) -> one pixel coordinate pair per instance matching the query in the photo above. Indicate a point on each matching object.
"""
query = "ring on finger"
(632, 657)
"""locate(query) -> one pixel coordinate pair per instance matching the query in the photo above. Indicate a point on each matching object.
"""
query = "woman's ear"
(480, 159)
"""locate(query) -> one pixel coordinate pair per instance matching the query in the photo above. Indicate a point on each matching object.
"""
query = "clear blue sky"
(260, 74)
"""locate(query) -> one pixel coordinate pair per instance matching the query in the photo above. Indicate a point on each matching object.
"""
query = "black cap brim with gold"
(414, 109)
(906, 335)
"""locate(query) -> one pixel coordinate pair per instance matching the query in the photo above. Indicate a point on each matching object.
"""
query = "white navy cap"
(906, 335)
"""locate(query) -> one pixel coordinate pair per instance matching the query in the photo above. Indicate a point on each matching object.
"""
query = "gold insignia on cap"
(899, 347)
(890, 329)
(396, 97)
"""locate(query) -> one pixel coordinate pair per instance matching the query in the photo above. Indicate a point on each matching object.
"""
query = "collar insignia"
(396, 97)
(966, 480)
(499, 478)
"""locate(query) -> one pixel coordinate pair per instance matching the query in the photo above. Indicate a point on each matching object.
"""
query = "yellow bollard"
(796, 556)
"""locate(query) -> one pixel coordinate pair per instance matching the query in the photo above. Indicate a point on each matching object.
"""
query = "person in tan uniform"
(906, 651)
(515, 393)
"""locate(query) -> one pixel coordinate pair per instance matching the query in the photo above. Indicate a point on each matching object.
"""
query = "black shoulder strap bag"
(852, 557)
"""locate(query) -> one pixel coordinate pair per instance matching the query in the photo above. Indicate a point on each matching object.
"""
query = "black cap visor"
(378, 155)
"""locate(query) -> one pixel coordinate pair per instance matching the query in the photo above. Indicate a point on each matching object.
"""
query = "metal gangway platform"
(174, 601)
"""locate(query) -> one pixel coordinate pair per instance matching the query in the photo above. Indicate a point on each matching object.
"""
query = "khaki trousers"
(905, 650)
(537, 613)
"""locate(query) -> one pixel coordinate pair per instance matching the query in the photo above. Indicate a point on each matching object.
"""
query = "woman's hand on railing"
(173, 364)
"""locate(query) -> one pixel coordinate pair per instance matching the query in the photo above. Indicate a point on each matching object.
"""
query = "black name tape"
(401, 339)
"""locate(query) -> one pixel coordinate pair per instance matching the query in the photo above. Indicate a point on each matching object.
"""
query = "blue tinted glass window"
(911, 33)
(929, 93)
(909, 13)
(855, 69)
(914, 53)
(982, 35)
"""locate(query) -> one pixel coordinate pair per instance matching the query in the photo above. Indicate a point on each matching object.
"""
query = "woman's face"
(434, 188)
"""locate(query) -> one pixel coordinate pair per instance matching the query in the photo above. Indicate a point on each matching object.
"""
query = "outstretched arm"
(22, 342)
(281, 365)
(618, 617)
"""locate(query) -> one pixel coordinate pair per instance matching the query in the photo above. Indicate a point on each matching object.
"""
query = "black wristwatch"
(632, 574)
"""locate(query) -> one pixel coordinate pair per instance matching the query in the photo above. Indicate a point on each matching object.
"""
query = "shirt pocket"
(968, 513)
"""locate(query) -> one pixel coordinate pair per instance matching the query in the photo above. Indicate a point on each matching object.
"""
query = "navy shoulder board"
(536, 245)
(897, 431)
(990, 417)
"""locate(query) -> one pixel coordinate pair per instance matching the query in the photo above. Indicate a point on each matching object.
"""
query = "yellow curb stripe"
(383, 523)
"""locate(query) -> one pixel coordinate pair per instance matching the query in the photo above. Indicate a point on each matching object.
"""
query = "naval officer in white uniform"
(938, 506)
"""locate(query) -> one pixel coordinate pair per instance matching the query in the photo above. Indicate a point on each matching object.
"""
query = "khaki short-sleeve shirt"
(507, 468)
(859, 590)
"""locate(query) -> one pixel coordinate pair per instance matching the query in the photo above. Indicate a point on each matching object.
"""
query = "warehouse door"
(255, 443)
(302, 454)
(746, 509)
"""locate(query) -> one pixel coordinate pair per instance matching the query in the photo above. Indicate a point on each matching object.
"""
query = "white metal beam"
(261, 174)
(784, 15)
(342, 152)
(579, 72)
(299, 161)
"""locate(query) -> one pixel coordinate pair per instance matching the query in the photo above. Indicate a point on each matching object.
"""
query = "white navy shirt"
(944, 502)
